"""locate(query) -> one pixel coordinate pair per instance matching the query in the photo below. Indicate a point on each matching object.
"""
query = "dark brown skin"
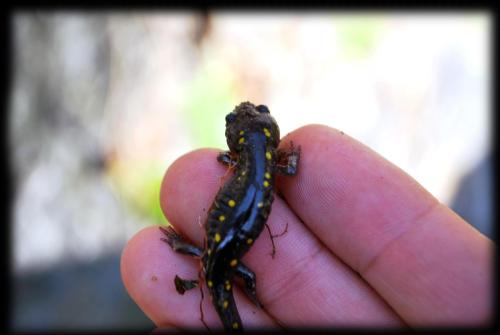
(240, 209)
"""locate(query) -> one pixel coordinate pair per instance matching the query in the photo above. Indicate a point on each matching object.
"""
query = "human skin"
(366, 246)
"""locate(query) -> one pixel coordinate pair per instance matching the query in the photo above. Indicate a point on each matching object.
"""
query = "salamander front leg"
(183, 285)
(249, 278)
(178, 244)
(288, 160)
(227, 158)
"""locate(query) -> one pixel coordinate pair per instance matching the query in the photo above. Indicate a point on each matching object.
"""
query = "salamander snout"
(262, 109)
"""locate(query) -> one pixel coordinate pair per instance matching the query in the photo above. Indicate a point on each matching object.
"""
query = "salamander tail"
(225, 305)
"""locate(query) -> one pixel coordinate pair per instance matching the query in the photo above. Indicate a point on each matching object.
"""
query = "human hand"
(366, 246)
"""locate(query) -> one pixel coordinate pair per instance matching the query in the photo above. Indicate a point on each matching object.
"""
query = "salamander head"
(247, 118)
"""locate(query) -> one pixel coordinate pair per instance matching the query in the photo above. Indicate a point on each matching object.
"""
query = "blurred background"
(102, 103)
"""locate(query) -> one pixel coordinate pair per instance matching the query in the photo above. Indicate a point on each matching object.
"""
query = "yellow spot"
(209, 251)
(241, 140)
(225, 304)
(235, 325)
(217, 237)
(209, 283)
(222, 218)
(234, 262)
(231, 203)
(260, 204)
(228, 286)
(268, 155)
(267, 132)
(249, 241)
(266, 183)
(243, 172)
(242, 132)
(267, 175)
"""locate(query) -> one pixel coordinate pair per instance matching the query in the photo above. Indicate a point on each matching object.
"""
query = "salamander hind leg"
(288, 160)
(249, 278)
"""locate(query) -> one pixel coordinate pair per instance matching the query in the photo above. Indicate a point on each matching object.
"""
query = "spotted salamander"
(240, 209)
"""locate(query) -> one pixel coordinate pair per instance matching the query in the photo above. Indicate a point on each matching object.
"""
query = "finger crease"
(295, 278)
(363, 269)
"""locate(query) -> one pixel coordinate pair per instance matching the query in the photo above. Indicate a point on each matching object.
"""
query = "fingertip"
(148, 266)
(184, 186)
(315, 142)
(131, 252)
(179, 174)
(311, 133)
(139, 265)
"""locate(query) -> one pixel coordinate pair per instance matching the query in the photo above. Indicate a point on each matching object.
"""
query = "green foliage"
(147, 193)
(358, 34)
(209, 98)
(207, 101)
(140, 187)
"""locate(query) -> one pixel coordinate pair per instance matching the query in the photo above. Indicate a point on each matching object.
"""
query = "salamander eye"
(230, 117)
(262, 109)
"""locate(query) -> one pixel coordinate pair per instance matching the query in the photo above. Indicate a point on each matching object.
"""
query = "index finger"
(424, 260)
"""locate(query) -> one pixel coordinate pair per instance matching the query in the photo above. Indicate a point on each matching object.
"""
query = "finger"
(428, 264)
(148, 268)
(304, 284)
